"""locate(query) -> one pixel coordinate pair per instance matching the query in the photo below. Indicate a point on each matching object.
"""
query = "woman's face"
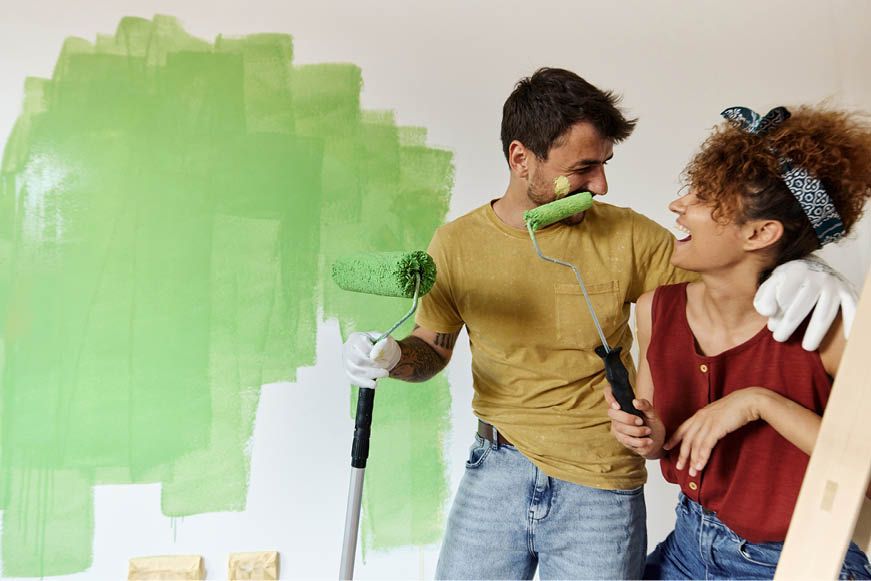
(708, 244)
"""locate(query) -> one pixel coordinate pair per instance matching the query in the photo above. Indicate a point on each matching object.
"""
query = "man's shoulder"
(612, 221)
(612, 212)
(462, 225)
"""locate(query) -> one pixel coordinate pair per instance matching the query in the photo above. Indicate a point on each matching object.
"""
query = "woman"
(732, 414)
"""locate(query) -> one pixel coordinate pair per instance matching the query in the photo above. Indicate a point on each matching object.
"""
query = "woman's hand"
(700, 433)
(645, 437)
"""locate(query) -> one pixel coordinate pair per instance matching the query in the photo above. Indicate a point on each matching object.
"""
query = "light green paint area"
(169, 208)
(561, 186)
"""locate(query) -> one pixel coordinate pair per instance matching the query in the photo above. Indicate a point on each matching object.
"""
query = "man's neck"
(513, 203)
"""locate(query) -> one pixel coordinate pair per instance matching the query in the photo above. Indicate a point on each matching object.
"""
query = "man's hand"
(366, 362)
(791, 292)
(699, 434)
(644, 438)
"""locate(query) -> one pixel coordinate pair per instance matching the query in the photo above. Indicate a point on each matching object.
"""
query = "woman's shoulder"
(832, 347)
(666, 303)
(661, 297)
(645, 302)
(668, 292)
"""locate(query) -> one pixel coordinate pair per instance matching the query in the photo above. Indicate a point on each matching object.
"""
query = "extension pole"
(615, 371)
(360, 450)
(359, 455)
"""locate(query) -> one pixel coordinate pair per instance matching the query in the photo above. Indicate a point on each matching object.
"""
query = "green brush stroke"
(169, 208)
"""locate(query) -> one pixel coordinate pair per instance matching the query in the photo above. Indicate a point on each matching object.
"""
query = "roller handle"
(362, 427)
(618, 377)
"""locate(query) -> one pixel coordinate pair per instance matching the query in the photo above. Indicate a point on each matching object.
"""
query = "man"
(546, 484)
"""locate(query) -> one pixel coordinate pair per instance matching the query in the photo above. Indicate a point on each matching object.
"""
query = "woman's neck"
(720, 309)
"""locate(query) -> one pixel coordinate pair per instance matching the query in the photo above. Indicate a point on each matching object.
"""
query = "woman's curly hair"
(738, 174)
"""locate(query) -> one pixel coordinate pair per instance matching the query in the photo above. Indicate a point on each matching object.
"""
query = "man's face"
(580, 156)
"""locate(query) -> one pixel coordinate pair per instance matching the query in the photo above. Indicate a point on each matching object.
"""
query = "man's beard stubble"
(534, 192)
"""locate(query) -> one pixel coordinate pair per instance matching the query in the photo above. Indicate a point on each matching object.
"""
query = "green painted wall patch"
(168, 210)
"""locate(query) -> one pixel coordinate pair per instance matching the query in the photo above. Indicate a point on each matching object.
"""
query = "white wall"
(448, 65)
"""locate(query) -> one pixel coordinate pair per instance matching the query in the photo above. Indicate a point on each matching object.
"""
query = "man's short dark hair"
(542, 108)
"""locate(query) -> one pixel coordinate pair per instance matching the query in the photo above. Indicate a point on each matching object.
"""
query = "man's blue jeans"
(509, 517)
(702, 547)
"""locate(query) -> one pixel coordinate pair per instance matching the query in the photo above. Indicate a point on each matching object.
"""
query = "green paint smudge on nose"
(169, 208)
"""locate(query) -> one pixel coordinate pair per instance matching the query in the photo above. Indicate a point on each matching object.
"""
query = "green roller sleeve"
(389, 274)
(559, 210)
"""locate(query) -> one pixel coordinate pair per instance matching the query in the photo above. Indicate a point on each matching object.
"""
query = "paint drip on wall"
(168, 210)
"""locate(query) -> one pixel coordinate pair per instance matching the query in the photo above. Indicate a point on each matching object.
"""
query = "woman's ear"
(760, 234)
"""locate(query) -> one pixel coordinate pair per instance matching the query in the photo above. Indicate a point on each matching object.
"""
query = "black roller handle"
(362, 427)
(618, 377)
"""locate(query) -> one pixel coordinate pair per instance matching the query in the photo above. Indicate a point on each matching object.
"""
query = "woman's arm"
(796, 423)
(643, 322)
(644, 440)
(832, 347)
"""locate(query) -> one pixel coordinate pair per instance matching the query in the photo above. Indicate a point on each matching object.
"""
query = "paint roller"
(392, 274)
(615, 371)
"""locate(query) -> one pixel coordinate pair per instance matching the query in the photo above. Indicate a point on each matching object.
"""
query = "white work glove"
(366, 362)
(794, 288)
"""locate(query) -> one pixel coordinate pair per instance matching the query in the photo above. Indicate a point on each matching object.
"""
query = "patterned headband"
(808, 190)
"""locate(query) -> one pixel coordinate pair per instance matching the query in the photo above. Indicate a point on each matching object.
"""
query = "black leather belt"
(488, 432)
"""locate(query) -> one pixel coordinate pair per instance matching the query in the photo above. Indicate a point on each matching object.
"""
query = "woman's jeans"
(509, 517)
(702, 547)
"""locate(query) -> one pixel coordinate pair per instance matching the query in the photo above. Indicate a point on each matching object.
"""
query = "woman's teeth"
(684, 230)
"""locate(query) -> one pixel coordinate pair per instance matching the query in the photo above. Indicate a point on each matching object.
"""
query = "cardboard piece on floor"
(833, 491)
(257, 565)
(186, 567)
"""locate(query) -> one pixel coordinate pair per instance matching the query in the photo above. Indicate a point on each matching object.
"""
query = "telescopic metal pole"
(359, 454)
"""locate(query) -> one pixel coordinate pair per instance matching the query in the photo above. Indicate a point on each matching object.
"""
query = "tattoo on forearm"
(446, 340)
(419, 361)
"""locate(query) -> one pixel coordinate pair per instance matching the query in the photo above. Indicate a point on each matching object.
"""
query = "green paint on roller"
(167, 209)
(559, 210)
(389, 274)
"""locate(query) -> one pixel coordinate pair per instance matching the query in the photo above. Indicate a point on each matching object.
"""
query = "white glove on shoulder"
(794, 288)
(366, 362)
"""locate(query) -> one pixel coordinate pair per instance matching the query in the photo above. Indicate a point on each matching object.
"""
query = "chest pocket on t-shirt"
(575, 327)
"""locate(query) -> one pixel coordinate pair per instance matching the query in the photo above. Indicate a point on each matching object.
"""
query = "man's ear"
(518, 159)
(760, 234)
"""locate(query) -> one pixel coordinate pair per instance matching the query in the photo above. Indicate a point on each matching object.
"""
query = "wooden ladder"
(832, 508)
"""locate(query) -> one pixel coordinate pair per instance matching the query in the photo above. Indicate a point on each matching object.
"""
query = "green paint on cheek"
(168, 211)
(561, 186)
